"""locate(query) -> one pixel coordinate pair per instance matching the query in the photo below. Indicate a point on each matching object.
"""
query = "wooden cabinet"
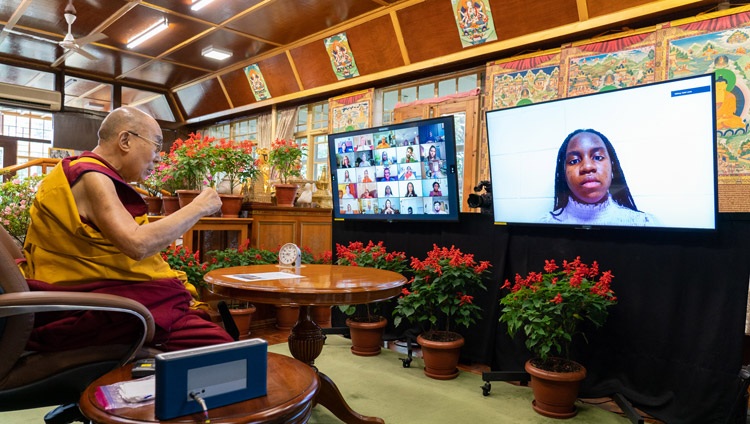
(306, 227)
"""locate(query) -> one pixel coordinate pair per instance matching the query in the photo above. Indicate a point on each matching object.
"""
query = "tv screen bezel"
(450, 179)
(708, 227)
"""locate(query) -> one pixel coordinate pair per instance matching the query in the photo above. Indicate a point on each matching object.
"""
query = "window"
(32, 131)
(312, 129)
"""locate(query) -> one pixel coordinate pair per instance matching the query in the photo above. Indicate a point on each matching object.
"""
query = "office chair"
(38, 379)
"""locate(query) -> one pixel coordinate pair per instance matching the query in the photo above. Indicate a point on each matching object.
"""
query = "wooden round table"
(310, 285)
(292, 386)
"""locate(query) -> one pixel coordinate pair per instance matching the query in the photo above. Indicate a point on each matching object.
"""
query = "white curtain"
(286, 123)
(265, 131)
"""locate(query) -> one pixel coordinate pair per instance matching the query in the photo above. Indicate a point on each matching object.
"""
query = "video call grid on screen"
(401, 172)
(663, 134)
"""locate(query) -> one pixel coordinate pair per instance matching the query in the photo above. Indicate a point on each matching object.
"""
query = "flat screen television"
(643, 156)
(399, 172)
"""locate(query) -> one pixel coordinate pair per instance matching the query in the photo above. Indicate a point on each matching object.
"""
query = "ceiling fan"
(69, 43)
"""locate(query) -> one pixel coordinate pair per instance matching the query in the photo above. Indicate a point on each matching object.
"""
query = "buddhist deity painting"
(342, 59)
(474, 21)
(610, 71)
(523, 81)
(257, 83)
(350, 112)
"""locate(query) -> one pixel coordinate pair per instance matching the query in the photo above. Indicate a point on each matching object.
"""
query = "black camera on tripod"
(483, 200)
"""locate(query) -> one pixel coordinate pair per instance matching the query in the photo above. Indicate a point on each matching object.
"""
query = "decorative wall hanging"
(351, 111)
(342, 59)
(522, 81)
(257, 83)
(474, 21)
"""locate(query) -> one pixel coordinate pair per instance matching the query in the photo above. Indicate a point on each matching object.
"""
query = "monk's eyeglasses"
(158, 144)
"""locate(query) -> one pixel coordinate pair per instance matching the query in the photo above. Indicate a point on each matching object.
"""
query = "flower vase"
(187, 196)
(242, 318)
(367, 337)
(154, 205)
(555, 393)
(230, 205)
(171, 204)
(441, 357)
(285, 194)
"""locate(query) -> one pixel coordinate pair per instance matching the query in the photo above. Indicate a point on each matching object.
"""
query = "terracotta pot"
(154, 205)
(171, 204)
(367, 337)
(230, 205)
(555, 393)
(321, 315)
(285, 194)
(187, 196)
(441, 358)
(286, 316)
(242, 318)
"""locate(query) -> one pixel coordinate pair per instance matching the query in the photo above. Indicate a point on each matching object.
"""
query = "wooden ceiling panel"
(241, 47)
(515, 18)
(429, 30)
(238, 88)
(203, 98)
(163, 73)
(283, 21)
(30, 48)
(375, 57)
(313, 65)
(603, 7)
(279, 76)
(215, 12)
(180, 28)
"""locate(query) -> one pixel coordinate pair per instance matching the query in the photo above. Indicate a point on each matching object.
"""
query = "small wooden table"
(313, 285)
(292, 386)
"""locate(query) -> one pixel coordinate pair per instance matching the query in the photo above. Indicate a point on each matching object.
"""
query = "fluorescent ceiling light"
(95, 105)
(154, 29)
(199, 4)
(214, 53)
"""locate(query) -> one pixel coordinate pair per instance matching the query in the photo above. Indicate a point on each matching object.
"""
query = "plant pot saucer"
(551, 414)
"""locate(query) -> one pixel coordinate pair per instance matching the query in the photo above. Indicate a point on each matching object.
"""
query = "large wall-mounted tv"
(643, 156)
(399, 172)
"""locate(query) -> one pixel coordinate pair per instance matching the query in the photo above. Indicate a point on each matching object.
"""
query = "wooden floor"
(275, 336)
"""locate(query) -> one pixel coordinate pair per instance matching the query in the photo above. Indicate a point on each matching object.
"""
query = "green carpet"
(380, 386)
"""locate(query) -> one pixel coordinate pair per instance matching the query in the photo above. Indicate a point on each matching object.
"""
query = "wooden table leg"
(305, 343)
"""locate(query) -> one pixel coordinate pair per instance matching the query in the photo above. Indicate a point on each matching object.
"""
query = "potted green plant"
(235, 165)
(439, 298)
(181, 258)
(285, 162)
(366, 326)
(548, 308)
(192, 161)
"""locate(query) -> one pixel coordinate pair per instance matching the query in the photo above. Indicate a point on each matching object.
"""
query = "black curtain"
(673, 343)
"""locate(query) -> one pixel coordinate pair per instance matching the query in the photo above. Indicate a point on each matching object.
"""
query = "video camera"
(483, 200)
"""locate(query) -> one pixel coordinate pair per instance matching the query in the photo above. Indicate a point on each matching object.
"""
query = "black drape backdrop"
(673, 343)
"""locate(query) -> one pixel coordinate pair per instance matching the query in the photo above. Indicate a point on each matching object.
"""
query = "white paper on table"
(263, 276)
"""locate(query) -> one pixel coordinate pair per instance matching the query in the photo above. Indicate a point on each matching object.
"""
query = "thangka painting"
(522, 81)
(609, 65)
(721, 46)
(474, 21)
(257, 83)
(350, 112)
(342, 59)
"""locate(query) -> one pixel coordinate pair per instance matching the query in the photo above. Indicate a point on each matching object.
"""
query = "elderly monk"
(90, 232)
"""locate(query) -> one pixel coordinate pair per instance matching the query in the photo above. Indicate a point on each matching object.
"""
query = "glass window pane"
(467, 83)
(426, 91)
(408, 94)
(446, 87)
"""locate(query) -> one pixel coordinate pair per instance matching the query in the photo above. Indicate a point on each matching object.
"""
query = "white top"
(605, 213)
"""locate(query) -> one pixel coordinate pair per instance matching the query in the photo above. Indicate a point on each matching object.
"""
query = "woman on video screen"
(590, 186)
